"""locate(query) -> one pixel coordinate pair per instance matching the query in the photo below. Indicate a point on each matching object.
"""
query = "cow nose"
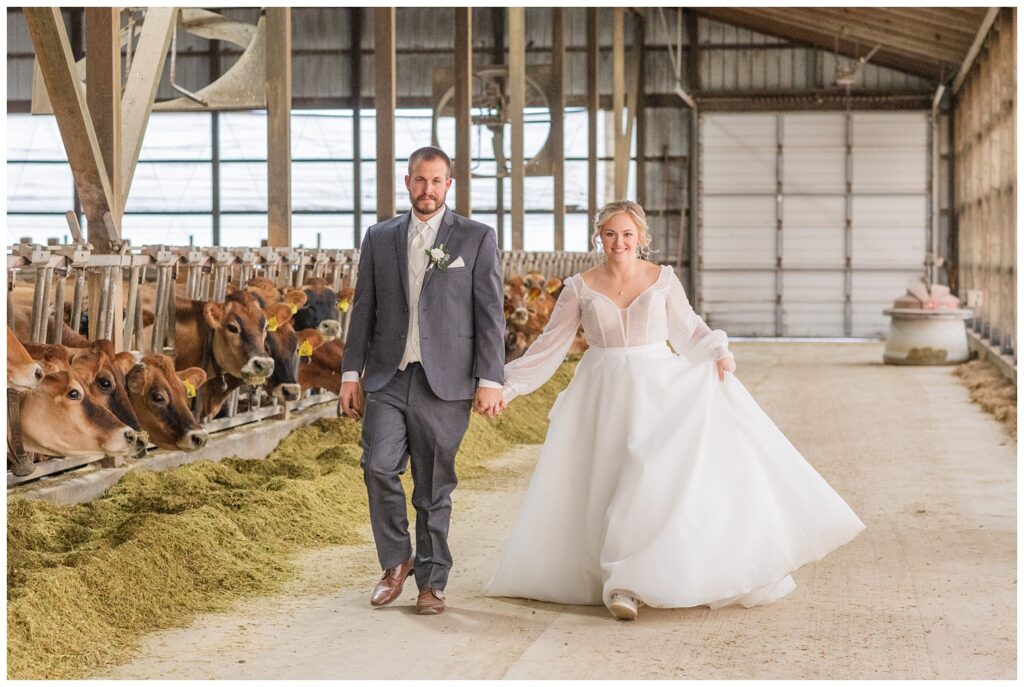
(263, 366)
(39, 374)
(291, 392)
(197, 438)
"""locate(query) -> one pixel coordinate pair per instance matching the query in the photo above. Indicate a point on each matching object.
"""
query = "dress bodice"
(661, 312)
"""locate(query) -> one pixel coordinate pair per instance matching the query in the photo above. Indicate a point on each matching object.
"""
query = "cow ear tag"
(294, 308)
(272, 324)
(305, 349)
(343, 305)
(190, 389)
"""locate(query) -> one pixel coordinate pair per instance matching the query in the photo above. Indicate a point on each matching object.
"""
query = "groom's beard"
(426, 205)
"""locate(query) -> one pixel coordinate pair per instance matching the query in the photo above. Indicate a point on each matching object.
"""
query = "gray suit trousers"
(406, 421)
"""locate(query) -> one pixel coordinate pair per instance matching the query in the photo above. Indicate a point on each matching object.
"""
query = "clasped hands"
(488, 401)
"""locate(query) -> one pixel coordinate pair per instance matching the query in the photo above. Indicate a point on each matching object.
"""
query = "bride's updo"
(638, 216)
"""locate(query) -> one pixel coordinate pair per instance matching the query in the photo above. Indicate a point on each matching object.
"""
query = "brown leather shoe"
(391, 582)
(430, 601)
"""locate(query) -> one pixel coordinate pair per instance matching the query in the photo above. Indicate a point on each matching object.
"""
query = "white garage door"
(811, 223)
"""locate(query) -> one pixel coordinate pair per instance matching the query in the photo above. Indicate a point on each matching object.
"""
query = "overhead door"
(811, 223)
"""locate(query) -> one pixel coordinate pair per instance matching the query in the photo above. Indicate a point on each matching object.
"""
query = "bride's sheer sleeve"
(546, 353)
(689, 334)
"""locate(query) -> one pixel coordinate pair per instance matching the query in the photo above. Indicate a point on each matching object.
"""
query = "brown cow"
(22, 371)
(99, 367)
(284, 345)
(60, 419)
(323, 369)
(160, 398)
(227, 341)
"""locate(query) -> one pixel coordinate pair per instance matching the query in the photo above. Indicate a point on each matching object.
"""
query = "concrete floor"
(927, 591)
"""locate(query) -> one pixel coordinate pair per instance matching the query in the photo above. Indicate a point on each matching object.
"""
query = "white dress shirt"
(418, 264)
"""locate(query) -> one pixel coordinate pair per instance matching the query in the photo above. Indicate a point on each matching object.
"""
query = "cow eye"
(158, 398)
(106, 384)
(232, 327)
(74, 394)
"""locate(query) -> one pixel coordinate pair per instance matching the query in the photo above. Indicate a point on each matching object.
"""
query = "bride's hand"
(725, 365)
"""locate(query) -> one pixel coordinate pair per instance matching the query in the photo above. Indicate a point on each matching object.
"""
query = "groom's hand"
(350, 401)
(488, 401)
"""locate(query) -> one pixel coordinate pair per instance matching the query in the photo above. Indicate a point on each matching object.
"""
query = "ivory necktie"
(417, 252)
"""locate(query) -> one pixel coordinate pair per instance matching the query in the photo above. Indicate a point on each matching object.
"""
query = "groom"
(427, 337)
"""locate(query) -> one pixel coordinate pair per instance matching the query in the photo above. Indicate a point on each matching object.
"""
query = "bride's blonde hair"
(638, 216)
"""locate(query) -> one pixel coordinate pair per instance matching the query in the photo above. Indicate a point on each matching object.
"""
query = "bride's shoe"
(623, 607)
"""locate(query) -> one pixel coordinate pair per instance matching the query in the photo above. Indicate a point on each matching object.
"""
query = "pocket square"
(457, 262)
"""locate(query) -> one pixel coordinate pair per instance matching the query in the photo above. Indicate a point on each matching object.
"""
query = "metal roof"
(928, 42)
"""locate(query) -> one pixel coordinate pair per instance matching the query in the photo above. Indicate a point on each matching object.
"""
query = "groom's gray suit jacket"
(462, 325)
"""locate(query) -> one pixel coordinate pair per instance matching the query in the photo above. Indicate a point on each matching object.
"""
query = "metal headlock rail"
(50, 270)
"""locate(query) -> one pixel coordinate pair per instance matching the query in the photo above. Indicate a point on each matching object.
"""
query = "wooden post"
(384, 98)
(641, 115)
(356, 51)
(517, 103)
(279, 111)
(463, 109)
(214, 148)
(558, 121)
(593, 104)
(103, 94)
(103, 91)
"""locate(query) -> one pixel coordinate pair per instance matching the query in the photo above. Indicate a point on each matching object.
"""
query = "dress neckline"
(661, 273)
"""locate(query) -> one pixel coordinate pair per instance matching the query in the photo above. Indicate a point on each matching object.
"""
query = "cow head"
(103, 371)
(161, 398)
(322, 304)
(285, 346)
(59, 418)
(515, 345)
(239, 335)
(22, 371)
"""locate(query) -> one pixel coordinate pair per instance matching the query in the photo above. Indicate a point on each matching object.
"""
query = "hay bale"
(86, 582)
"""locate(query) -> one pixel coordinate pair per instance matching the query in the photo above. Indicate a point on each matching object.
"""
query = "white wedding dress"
(656, 478)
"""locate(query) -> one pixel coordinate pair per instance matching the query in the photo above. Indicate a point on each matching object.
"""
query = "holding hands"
(488, 402)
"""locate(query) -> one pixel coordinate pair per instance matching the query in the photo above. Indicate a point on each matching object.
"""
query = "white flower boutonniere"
(439, 257)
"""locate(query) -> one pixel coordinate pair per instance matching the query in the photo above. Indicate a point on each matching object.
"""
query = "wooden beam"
(463, 104)
(517, 102)
(141, 87)
(620, 166)
(593, 105)
(972, 53)
(558, 121)
(53, 55)
(103, 93)
(355, 43)
(818, 37)
(384, 98)
(693, 84)
(279, 115)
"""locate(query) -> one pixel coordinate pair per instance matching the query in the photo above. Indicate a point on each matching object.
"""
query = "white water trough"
(927, 327)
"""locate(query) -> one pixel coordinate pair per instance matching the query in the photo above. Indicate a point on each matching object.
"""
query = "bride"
(661, 481)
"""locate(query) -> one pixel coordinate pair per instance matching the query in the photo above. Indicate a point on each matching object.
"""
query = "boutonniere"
(439, 257)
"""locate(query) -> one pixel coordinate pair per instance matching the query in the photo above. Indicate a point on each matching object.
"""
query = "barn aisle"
(927, 591)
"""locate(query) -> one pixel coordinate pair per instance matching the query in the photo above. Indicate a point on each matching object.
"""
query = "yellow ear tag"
(531, 297)
(305, 349)
(272, 324)
(190, 389)
(294, 308)
(343, 305)
(552, 288)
